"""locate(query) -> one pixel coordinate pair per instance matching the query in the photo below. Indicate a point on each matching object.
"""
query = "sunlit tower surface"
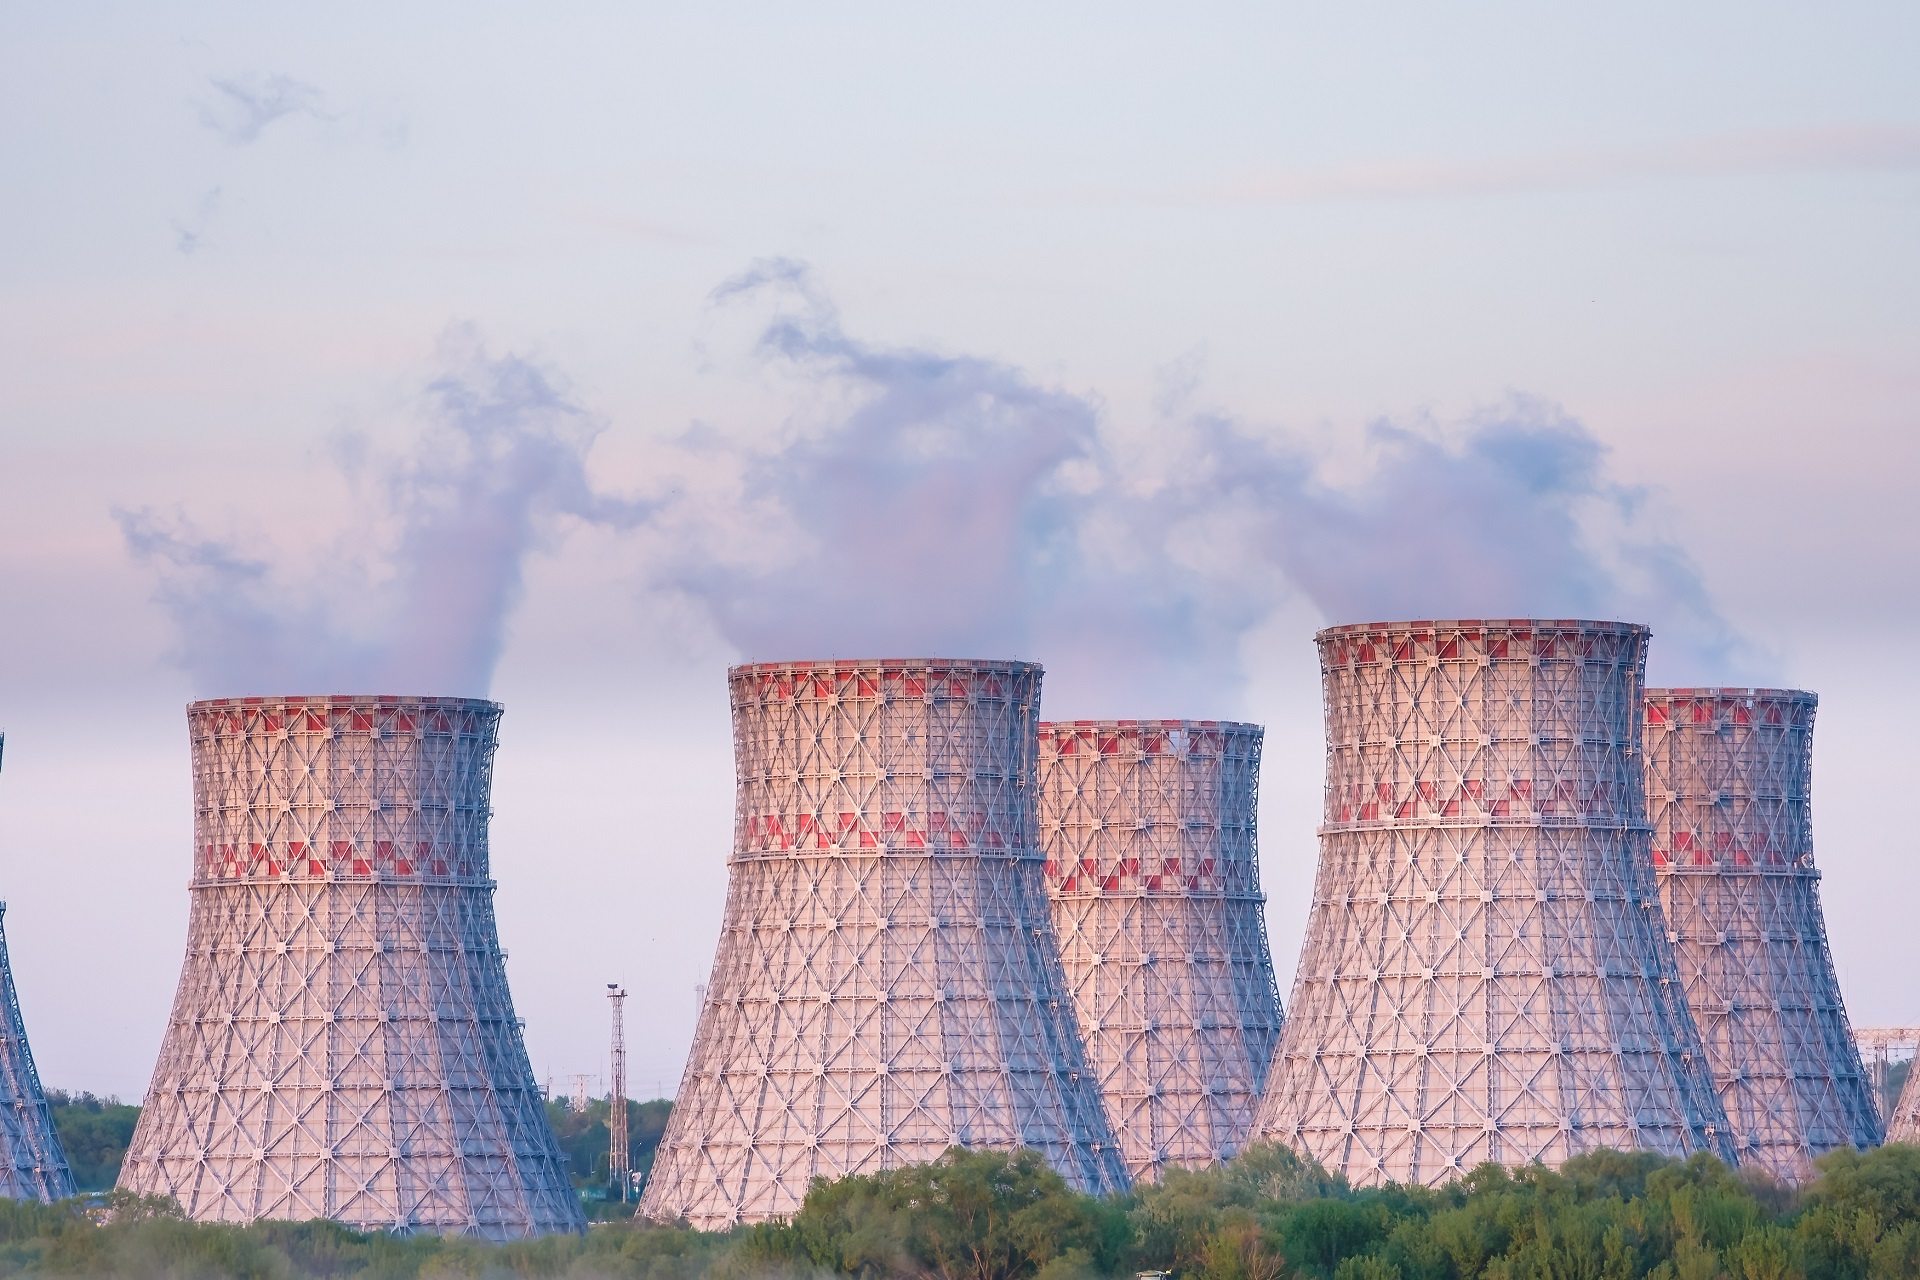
(1486, 973)
(33, 1165)
(1729, 792)
(1905, 1123)
(619, 1156)
(887, 984)
(1148, 827)
(343, 1043)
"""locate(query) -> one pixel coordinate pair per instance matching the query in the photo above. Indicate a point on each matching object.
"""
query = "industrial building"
(342, 1043)
(1149, 830)
(887, 984)
(1486, 974)
(1729, 794)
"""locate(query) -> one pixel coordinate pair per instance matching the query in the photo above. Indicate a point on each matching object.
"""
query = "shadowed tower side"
(33, 1166)
(1729, 791)
(1486, 973)
(1154, 876)
(886, 984)
(343, 1043)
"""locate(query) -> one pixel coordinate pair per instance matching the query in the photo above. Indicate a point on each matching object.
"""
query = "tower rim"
(1593, 625)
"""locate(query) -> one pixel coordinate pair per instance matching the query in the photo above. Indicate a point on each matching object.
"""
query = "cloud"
(190, 233)
(936, 504)
(917, 520)
(244, 107)
(416, 596)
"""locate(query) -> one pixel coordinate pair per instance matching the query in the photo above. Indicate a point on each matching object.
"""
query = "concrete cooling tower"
(1486, 973)
(1149, 832)
(32, 1164)
(342, 1043)
(1905, 1125)
(887, 984)
(1729, 789)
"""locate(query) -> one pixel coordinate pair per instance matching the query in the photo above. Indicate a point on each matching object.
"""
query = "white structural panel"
(1729, 792)
(32, 1164)
(1486, 974)
(887, 984)
(343, 1044)
(1153, 871)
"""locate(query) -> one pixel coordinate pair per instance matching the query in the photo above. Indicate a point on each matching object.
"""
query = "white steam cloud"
(925, 504)
(951, 505)
(417, 596)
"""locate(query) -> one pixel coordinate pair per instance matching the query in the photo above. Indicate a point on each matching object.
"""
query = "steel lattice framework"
(1729, 792)
(1486, 973)
(887, 984)
(1905, 1125)
(33, 1166)
(1154, 875)
(343, 1044)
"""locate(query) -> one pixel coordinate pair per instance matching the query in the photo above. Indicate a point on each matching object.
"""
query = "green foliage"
(584, 1137)
(95, 1133)
(1267, 1215)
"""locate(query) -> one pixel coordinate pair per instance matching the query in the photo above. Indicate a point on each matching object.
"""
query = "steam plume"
(424, 609)
(949, 504)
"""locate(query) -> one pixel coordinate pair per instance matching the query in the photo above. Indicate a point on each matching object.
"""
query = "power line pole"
(619, 1159)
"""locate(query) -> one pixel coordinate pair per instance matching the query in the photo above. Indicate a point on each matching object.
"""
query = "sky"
(566, 357)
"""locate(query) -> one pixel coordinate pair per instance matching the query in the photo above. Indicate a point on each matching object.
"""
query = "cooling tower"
(342, 1043)
(1729, 785)
(1152, 868)
(1905, 1125)
(1486, 974)
(887, 984)
(33, 1166)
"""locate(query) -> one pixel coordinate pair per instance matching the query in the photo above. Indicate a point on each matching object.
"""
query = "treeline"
(587, 1141)
(990, 1216)
(95, 1133)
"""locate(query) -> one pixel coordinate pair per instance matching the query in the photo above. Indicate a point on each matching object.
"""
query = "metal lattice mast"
(619, 1155)
(33, 1165)
(1486, 973)
(1153, 871)
(887, 984)
(343, 1043)
(1729, 792)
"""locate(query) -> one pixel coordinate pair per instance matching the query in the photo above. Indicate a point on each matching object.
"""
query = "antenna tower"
(343, 1043)
(619, 1155)
(1149, 831)
(1729, 790)
(887, 984)
(1486, 973)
